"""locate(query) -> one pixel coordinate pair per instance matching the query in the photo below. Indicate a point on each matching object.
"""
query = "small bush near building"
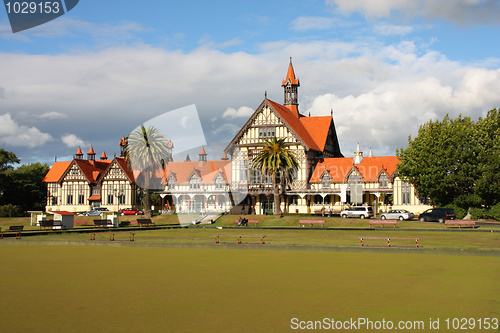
(11, 211)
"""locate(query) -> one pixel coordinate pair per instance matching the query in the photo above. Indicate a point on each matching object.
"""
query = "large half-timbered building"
(325, 178)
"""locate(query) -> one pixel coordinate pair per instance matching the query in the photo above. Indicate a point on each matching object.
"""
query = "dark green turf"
(121, 289)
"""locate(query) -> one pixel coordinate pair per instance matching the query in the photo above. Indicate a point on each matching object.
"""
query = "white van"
(358, 212)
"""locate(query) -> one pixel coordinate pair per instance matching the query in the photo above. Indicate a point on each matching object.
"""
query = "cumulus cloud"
(242, 112)
(72, 141)
(53, 115)
(15, 135)
(379, 93)
(461, 12)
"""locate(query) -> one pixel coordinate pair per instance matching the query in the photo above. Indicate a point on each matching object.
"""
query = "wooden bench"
(250, 221)
(124, 224)
(460, 223)
(388, 240)
(239, 238)
(383, 222)
(312, 222)
(17, 229)
(46, 224)
(146, 222)
(112, 237)
(320, 212)
(103, 223)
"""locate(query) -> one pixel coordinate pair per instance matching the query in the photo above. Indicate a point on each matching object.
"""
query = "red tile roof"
(296, 125)
(56, 172)
(207, 171)
(318, 128)
(369, 168)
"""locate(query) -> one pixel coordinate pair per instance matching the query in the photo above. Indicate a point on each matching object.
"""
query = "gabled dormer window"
(325, 180)
(194, 184)
(218, 183)
(383, 181)
(171, 182)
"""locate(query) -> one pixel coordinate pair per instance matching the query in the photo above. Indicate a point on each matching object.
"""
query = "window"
(244, 170)
(318, 200)
(266, 132)
(69, 197)
(406, 193)
(218, 183)
(194, 183)
(81, 195)
(110, 194)
(52, 193)
(121, 195)
(325, 181)
(383, 181)
(293, 200)
(75, 172)
(171, 183)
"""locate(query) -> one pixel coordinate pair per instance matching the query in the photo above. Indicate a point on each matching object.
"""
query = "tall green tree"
(454, 161)
(21, 187)
(277, 161)
(147, 151)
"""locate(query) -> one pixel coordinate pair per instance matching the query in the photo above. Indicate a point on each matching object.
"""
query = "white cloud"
(12, 134)
(304, 23)
(72, 141)
(390, 29)
(461, 12)
(379, 93)
(242, 112)
(53, 115)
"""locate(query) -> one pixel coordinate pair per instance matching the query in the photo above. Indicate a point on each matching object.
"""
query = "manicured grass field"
(140, 289)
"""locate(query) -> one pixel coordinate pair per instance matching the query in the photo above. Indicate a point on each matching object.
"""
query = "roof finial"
(331, 112)
(265, 94)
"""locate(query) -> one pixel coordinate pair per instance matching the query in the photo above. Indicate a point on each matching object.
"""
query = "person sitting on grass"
(242, 221)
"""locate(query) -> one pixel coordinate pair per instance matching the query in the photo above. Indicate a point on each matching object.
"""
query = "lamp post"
(118, 193)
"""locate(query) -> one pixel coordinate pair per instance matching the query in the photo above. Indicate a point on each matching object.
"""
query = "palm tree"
(277, 161)
(147, 151)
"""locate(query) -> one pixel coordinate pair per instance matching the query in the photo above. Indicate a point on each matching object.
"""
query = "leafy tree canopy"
(455, 161)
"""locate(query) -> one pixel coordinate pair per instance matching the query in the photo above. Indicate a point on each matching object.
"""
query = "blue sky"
(384, 67)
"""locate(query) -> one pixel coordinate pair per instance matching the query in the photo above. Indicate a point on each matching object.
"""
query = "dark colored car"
(130, 211)
(437, 215)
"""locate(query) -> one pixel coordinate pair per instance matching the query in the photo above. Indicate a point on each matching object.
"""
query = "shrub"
(459, 211)
(11, 211)
(479, 213)
(494, 212)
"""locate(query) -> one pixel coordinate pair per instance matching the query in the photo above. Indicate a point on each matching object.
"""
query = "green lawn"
(141, 289)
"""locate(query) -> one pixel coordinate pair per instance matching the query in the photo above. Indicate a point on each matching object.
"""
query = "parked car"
(358, 211)
(437, 215)
(96, 211)
(130, 211)
(397, 214)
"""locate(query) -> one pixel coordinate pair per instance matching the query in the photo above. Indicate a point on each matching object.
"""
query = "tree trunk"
(277, 208)
(147, 196)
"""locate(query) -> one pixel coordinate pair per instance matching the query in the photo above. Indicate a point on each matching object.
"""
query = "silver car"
(397, 214)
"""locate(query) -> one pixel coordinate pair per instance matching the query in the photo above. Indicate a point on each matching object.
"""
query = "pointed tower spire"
(202, 155)
(358, 155)
(290, 85)
(79, 154)
(91, 154)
